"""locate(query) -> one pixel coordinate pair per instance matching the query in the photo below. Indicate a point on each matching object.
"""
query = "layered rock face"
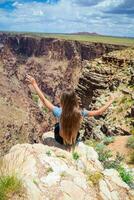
(55, 64)
(48, 172)
(112, 73)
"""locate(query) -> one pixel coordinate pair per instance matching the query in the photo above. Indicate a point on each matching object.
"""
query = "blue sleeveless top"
(58, 110)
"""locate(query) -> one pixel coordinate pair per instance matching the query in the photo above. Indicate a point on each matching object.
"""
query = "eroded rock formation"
(112, 73)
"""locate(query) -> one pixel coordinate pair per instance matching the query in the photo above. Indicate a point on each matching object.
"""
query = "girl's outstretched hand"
(30, 80)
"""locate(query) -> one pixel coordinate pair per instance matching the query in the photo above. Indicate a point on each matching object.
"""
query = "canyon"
(57, 64)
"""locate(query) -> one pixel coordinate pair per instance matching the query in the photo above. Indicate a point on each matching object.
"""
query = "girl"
(69, 114)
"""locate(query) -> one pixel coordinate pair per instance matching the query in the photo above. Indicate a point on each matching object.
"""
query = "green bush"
(94, 177)
(75, 155)
(130, 142)
(103, 153)
(108, 140)
(127, 176)
(9, 185)
(100, 147)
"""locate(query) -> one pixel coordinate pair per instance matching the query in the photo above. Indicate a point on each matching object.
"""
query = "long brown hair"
(70, 117)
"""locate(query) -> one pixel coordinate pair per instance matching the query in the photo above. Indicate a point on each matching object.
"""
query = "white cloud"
(17, 4)
(87, 3)
(109, 3)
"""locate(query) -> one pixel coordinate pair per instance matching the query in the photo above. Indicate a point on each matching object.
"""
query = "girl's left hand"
(30, 80)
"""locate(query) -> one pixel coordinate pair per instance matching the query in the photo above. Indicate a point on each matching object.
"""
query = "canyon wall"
(56, 65)
(56, 48)
(113, 73)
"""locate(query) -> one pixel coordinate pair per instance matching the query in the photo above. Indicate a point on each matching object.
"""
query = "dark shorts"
(57, 136)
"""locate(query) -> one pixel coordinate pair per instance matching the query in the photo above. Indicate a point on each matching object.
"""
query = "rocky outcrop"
(52, 173)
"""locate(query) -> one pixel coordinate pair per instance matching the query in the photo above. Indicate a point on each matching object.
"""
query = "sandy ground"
(119, 145)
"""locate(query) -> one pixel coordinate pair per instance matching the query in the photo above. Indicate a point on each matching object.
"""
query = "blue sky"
(108, 17)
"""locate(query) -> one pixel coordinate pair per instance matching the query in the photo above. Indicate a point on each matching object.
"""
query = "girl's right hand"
(30, 80)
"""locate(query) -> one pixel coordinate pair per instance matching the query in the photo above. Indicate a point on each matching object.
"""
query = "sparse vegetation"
(130, 142)
(114, 163)
(94, 177)
(105, 156)
(63, 174)
(35, 182)
(75, 155)
(61, 156)
(91, 142)
(108, 140)
(45, 110)
(132, 130)
(131, 158)
(35, 97)
(120, 110)
(49, 170)
(127, 176)
(103, 153)
(48, 153)
(9, 186)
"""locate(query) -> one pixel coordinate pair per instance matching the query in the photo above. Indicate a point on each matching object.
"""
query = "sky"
(107, 17)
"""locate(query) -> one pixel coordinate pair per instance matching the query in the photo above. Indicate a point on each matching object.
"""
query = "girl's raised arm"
(102, 109)
(45, 101)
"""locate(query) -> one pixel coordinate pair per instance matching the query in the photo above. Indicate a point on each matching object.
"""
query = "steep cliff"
(55, 64)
